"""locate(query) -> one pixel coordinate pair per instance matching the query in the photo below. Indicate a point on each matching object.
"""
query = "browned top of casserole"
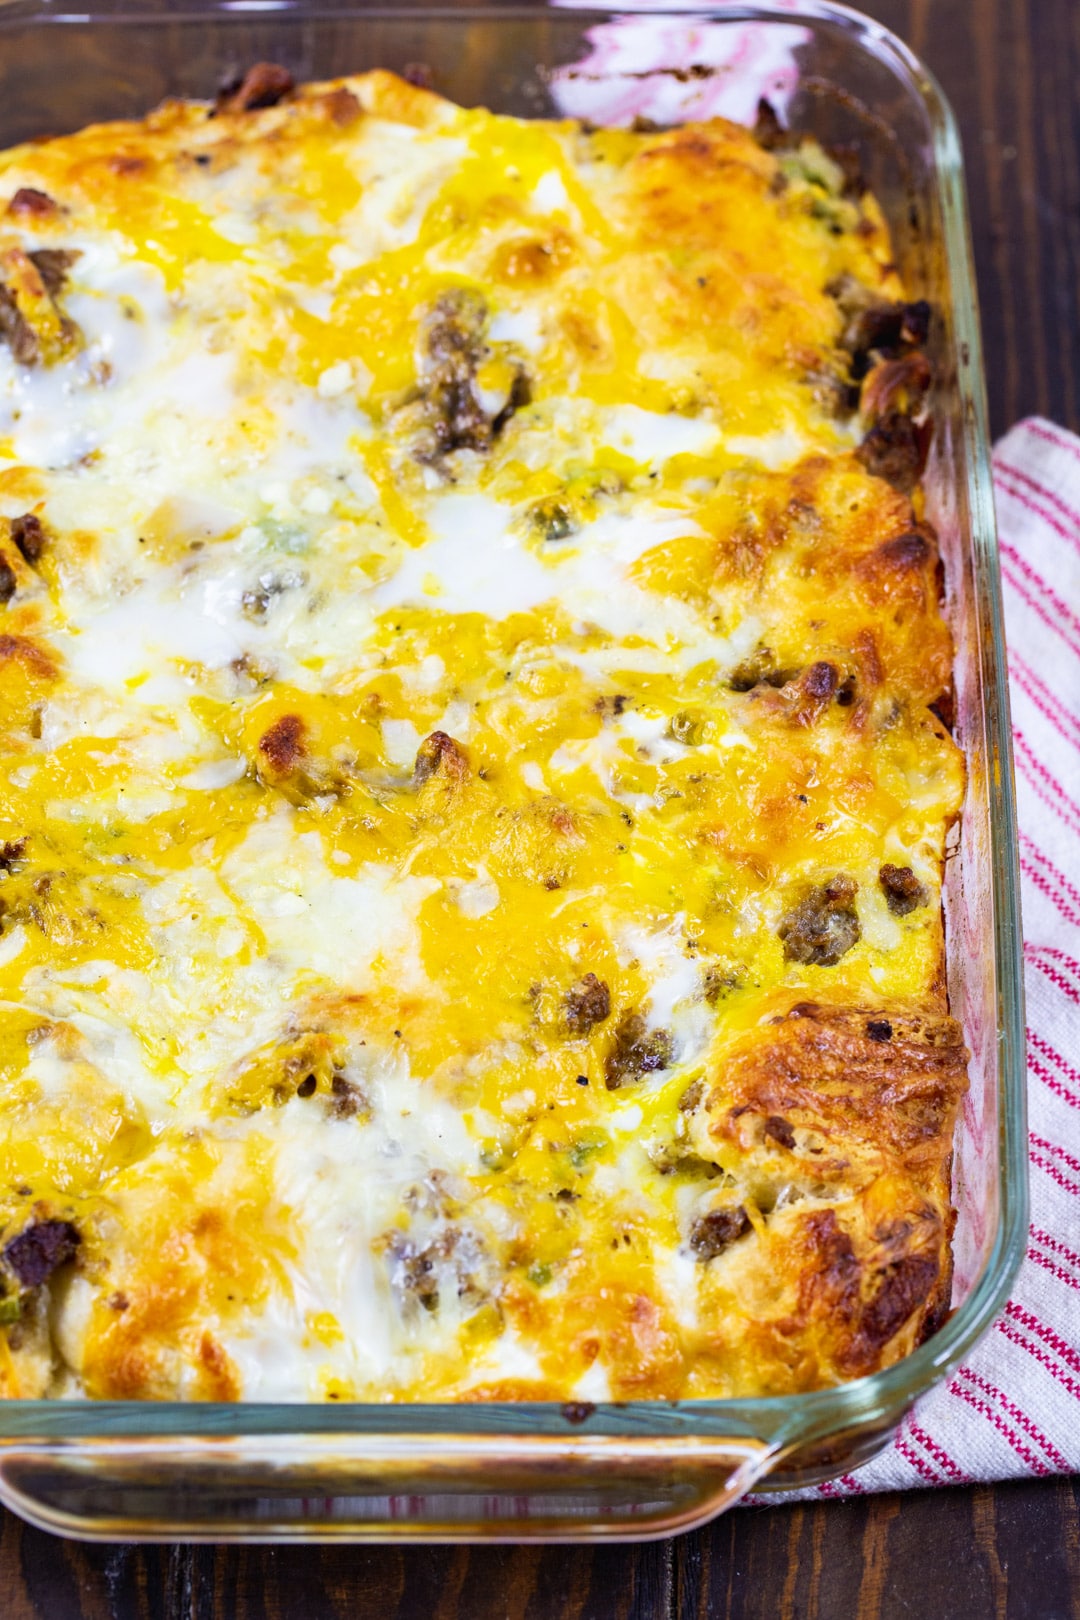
(476, 780)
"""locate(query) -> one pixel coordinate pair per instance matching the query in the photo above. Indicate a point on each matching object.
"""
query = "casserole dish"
(524, 1470)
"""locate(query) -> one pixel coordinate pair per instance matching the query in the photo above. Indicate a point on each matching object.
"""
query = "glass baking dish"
(129, 1471)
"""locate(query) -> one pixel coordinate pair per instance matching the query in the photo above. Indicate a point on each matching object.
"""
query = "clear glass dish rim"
(786, 1420)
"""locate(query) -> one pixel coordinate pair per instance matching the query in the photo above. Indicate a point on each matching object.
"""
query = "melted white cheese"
(478, 562)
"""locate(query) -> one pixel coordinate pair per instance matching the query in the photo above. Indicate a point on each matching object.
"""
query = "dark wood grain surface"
(1010, 1552)
(1006, 1552)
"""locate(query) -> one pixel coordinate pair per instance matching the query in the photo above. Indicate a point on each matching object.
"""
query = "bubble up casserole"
(477, 767)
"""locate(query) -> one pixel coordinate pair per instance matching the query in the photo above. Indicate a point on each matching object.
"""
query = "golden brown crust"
(859, 1079)
(836, 1124)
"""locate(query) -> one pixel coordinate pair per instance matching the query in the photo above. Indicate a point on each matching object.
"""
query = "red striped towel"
(1012, 1409)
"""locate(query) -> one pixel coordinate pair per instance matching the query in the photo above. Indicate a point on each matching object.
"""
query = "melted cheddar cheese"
(473, 812)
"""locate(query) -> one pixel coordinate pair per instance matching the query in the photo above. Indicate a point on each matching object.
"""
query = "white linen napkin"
(1012, 1409)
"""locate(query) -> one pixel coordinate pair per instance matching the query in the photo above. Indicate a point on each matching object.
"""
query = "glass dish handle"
(377, 1487)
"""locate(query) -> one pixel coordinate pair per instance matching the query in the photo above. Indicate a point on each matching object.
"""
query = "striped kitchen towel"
(1012, 1409)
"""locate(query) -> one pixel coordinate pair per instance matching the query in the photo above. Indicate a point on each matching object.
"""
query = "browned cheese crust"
(475, 710)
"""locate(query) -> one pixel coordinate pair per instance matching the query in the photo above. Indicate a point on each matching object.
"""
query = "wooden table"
(1012, 1552)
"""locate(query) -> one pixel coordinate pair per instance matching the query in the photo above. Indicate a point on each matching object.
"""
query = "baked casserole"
(475, 709)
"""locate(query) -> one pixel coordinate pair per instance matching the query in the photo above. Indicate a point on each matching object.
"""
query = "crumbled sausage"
(439, 753)
(820, 681)
(415, 1272)
(902, 889)
(588, 1002)
(811, 692)
(282, 746)
(896, 385)
(263, 85)
(717, 983)
(40, 275)
(11, 852)
(452, 1258)
(778, 1130)
(30, 203)
(887, 329)
(895, 449)
(875, 326)
(16, 331)
(757, 670)
(824, 925)
(347, 1100)
(879, 1029)
(448, 411)
(453, 348)
(7, 582)
(717, 1230)
(39, 1249)
(53, 265)
(28, 534)
(801, 697)
(636, 1051)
